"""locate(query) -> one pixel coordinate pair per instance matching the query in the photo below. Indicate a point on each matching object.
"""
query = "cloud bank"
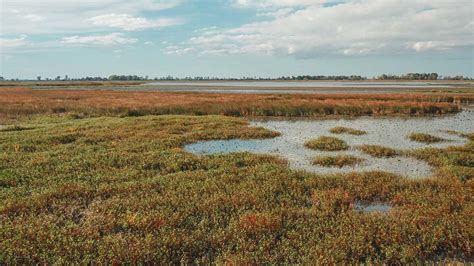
(66, 16)
(112, 39)
(130, 23)
(360, 27)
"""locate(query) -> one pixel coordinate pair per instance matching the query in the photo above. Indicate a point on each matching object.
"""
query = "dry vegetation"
(96, 186)
(378, 151)
(121, 190)
(347, 130)
(337, 161)
(425, 138)
(70, 84)
(325, 143)
(24, 101)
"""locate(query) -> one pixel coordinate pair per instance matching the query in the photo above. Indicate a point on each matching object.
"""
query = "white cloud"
(277, 13)
(350, 28)
(13, 42)
(130, 23)
(113, 39)
(277, 3)
(33, 17)
(423, 46)
(148, 43)
(174, 49)
(66, 16)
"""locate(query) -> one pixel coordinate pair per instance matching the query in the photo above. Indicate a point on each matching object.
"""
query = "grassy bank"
(121, 190)
(16, 102)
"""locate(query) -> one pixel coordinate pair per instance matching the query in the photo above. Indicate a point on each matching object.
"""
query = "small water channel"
(303, 87)
(390, 132)
(306, 84)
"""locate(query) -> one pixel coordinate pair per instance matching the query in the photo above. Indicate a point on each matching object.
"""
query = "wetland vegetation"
(337, 161)
(326, 143)
(347, 130)
(21, 101)
(425, 138)
(378, 151)
(84, 183)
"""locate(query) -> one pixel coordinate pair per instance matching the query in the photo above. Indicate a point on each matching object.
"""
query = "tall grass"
(24, 101)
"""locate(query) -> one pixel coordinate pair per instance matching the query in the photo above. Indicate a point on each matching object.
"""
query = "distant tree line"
(409, 76)
(127, 77)
(457, 78)
(420, 76)
(66, 78)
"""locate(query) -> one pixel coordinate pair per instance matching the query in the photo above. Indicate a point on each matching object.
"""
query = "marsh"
(390, 132)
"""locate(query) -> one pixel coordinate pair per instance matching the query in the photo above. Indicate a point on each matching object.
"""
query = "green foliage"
(13, 128)
(347, 130)
(121, 190)
(378, 151)
(425, 138)
(326, 143)
(337, 161)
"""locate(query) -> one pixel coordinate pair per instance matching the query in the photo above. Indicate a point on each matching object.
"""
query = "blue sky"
(235, 38)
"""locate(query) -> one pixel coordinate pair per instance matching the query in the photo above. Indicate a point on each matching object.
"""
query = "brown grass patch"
(25, 101)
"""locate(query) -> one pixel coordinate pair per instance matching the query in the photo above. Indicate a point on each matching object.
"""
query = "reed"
(16, 102)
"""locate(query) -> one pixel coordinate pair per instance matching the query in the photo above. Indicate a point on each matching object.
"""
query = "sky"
(235, 38)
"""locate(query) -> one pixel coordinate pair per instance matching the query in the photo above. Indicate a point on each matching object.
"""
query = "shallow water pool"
(379, 207)
(389, 132)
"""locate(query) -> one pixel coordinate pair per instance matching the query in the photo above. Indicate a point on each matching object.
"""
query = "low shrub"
(347, 130)
(425, 138)
(326, 143)
(13, 128)
(378, 151)
(337, 161)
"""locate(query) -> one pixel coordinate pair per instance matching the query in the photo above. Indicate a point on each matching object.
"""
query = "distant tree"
(2, 78)
(38, 78)
(127, 77)
(410, 76)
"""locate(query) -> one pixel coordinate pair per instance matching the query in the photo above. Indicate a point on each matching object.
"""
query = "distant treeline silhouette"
(408, 76)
